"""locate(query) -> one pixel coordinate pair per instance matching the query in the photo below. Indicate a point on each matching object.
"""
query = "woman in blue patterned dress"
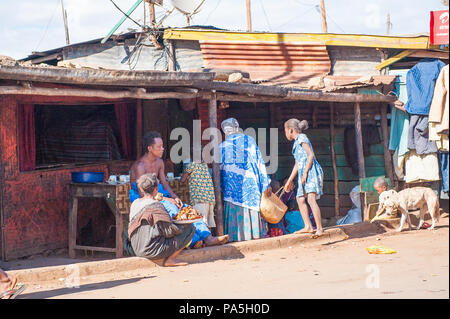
(310, 174)
(243, 180)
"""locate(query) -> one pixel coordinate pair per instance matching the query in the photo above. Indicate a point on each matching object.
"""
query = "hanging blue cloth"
(443, 160)
(398, 139)
(420, 82)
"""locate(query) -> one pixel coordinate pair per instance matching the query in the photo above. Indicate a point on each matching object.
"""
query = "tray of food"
(187, 215)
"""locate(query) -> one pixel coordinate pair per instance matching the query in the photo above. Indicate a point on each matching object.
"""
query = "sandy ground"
(418, 269)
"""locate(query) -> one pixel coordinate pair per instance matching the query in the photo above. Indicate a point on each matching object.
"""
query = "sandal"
(13, 293)
(315, 236)
(425, 225)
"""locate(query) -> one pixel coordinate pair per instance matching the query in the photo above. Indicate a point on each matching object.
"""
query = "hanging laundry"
(420, 82)
(398, 163)
(398, 138)
(418, 135)
(443, 162)
(439, 114)
(421, 168)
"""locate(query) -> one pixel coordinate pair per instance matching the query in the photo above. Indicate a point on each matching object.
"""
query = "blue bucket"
(88, 177)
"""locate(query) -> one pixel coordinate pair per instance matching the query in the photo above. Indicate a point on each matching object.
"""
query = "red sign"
(439, 27)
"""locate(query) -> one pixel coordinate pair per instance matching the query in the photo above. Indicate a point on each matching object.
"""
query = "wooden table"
(116, 196)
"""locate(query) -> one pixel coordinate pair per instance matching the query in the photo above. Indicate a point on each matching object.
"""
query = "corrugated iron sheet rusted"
(275, 62)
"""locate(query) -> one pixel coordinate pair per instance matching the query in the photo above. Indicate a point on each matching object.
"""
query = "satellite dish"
(188, 7)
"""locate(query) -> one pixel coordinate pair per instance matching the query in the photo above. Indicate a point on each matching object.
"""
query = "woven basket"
(272, 208)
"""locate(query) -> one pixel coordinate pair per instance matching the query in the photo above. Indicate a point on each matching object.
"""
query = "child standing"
(201, 190)
(310, 174)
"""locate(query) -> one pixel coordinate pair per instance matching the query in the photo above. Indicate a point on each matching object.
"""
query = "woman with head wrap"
(243, 180)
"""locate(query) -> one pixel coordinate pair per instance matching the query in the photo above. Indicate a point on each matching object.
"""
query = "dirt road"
(419, 269)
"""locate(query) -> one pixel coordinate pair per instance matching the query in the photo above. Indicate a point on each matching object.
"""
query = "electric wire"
(48, 24)
(124, 13)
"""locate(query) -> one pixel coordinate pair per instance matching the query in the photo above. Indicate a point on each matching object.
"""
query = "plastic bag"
(380, 249)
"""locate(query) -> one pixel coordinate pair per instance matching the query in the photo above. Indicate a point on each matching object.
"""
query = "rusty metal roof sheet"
(277, 63)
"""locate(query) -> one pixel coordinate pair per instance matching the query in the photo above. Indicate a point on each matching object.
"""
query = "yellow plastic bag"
(380, 249)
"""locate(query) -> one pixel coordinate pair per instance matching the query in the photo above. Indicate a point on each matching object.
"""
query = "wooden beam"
(84, 76)
(212, 112)
(133, 94)
(284, 93)
(359, 141)
(352, 40)
(388, 166)
(55, 56)
(394, 59)
(333, 159)
(444, 55)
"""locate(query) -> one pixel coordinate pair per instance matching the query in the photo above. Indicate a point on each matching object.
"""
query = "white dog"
(422, 198)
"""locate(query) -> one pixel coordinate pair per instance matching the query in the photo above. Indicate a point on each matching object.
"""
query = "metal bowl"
(88, 177)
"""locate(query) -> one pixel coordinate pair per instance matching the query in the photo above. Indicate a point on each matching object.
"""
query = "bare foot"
(304, 231)
(172, 262)
(219, 240)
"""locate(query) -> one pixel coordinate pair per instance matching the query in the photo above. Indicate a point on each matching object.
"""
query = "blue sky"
(30, 25)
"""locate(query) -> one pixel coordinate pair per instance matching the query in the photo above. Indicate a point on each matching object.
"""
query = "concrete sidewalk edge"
(228, 251)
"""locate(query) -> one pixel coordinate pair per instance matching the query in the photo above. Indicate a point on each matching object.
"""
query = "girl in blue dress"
(310, 174)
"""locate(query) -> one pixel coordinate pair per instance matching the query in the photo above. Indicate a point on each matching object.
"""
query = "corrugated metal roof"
(280, 63)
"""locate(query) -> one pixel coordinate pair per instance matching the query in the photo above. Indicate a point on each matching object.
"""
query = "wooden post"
(359, 142)
(249, 16)
(333, 159)
(388, 166)
(324, 17)
(139, 128)
(172, 61)
(73, 210)
(119, 233)
(360, 152)
(212, 112)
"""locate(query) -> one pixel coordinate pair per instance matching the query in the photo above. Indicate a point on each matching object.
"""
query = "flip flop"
(198, 244)
(425, 225)
(315, 236)
(13, 293)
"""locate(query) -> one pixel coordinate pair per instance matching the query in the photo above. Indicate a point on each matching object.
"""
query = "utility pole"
(249, 17)
(64, 13)
(151, 6)
(324, 16)
(388, 24)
